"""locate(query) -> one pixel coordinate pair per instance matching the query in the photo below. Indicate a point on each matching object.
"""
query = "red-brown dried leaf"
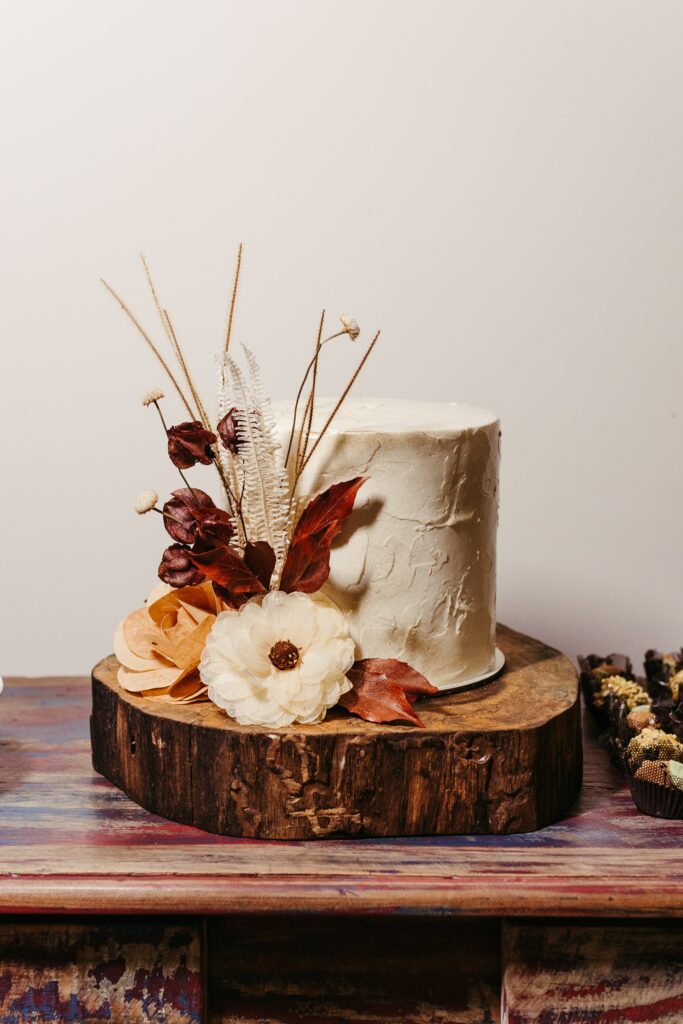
(189, 443)
(180, 513)
(214, 528)
(177, 568)
(384, 690)
(260, 558)
(232, 578)
(307, 565)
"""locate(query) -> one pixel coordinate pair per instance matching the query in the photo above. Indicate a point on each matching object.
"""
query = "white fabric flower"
(280, 659)
(145, 502)
(350, 325)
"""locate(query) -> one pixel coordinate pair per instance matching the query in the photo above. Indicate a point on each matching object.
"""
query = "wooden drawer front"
(87, 972)
(335, 970)
(593, 973)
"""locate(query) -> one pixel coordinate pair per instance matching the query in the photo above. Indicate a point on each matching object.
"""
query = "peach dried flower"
(159, 645)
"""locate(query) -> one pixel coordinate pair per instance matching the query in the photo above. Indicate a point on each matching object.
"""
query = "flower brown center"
(284, 655)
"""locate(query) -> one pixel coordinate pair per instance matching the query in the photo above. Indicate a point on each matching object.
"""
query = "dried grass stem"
(338, 406)
(167, 369)
(233, 300)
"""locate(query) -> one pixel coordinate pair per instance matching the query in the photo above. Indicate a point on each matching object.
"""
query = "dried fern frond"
(230, 464)
(265, 504)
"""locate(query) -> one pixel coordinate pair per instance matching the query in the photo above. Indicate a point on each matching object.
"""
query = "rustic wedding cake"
(415, 569)
(327, 575)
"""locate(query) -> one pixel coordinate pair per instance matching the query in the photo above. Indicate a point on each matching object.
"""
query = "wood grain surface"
(70, 841)
(329, 970)
(602, 974)
(505, 757)
(143, 972)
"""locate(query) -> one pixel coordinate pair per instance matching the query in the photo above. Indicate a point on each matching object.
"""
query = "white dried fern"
(265, 504)
(229, 463)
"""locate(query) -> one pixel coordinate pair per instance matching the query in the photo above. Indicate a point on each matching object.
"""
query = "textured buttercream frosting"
(415, 568)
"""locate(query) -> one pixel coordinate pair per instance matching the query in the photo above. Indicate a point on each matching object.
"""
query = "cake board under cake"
(504, 757)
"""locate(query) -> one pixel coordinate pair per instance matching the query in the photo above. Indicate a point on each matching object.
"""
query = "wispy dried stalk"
(233, 300)
(175, 345)
(313, 362)
(203, 415)
(338, 406)
(305, 432)
(167, 369)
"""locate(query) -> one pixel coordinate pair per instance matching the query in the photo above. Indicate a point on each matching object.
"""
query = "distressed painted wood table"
(109, 913)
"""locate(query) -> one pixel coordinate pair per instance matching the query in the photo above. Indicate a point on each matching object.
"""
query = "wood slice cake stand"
(505, 757)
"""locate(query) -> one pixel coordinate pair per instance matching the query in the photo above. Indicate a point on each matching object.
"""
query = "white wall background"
(495, 184)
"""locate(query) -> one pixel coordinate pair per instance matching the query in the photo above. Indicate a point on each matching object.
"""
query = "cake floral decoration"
(278, 661)
(159, 645)
(240, 618)
(384, 689)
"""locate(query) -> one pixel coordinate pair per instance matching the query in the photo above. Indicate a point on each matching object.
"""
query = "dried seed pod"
(190, 443)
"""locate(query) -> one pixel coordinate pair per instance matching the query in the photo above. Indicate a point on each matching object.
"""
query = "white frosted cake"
(415, 570)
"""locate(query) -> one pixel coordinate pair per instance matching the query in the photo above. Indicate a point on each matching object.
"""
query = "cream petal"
(222, 651)
(347, 654)
(287, 685)
(250, 613)
(323, 662)
(231, 688)
(261, 711)
(314, 717)
(287, 612)
(332, 624)
(241, 679)
(263, 636)
(235, 646)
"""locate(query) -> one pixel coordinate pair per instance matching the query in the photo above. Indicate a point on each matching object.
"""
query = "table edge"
(286, 894)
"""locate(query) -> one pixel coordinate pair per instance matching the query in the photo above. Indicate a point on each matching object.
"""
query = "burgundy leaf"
(214, 528)
(260, 558)
(189, 443)
(307, 565)
(231, 576)
(177, 568)
(180, 513)
(384, 690)
(227, 431)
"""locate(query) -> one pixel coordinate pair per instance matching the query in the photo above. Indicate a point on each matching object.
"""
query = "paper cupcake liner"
(657, 801)
(600, 714)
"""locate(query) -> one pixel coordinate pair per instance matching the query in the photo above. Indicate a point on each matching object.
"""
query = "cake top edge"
(391, 415)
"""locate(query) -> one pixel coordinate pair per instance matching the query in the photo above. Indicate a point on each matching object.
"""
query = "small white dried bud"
(350, 326)
(152, 396)
(145, 502)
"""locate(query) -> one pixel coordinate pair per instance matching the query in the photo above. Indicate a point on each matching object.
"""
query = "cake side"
(416, 568)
